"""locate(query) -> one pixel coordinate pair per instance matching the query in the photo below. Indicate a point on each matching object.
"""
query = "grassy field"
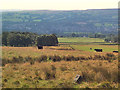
(79, 39)
(86, 43)
(9, 52)
(106, 48)
(95, 71)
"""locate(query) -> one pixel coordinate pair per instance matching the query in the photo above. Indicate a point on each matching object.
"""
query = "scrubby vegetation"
(57, 66)
(55, 58)
(95, 74)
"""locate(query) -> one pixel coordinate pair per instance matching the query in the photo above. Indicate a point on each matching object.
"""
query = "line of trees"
(47, 40)
(24, 39)
(112, 38)
(107, 37)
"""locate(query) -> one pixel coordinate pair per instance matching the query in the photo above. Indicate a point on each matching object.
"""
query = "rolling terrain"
(57, 66)
(61, 22)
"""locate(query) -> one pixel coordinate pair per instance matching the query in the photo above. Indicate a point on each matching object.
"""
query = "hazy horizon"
(47, 9)
(57, 4)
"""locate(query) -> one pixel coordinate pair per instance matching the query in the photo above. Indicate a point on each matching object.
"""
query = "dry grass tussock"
(55, 58)
(95, 74)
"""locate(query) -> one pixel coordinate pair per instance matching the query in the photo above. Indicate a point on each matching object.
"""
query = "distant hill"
(48, 21)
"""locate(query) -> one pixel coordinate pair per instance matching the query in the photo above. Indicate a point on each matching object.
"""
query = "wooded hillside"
(60, 22)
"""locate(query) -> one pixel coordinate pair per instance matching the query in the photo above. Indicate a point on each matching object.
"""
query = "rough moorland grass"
(95, 74)
(35, 68)
(55, 58)
(10, 52)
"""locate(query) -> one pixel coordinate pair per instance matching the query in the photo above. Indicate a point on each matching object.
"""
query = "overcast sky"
(58, 4)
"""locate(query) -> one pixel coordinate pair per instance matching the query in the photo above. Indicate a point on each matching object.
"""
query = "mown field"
(57, 66)
(79, 39)
(86, 43)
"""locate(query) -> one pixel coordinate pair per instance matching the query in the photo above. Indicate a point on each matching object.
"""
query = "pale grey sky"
(58, 4)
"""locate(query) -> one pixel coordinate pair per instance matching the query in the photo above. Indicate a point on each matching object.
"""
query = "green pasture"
(106, 48)
(78, 39)
(84, 43)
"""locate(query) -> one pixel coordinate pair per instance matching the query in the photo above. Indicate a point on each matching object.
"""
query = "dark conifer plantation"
(24, 39)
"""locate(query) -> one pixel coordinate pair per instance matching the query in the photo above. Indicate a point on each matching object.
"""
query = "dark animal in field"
(40, 47)
(90, 48)
(98, 50)
(115, 51)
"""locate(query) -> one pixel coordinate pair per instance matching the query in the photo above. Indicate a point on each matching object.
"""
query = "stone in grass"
(78, 79)
(5, 80)
(16, 82)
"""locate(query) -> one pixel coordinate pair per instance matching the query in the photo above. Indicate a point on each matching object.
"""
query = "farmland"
(86, 43)
(54, 21)
(98, 69)
(79, 39)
